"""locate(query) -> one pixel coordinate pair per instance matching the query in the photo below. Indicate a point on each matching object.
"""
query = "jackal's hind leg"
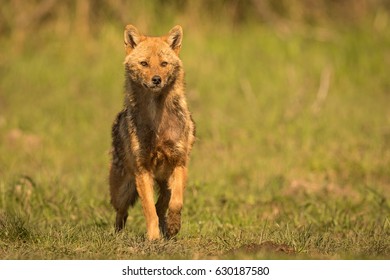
(162, 206)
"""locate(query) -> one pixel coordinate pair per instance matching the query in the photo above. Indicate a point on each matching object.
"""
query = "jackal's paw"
(173, 224)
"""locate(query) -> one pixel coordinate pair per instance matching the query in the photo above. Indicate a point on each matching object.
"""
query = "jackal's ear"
(132, 38)
(174, 38)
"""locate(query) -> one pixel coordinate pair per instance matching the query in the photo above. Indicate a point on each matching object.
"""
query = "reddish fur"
(153, 134)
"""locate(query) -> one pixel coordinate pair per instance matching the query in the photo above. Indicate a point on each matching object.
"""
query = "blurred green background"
(291, 101)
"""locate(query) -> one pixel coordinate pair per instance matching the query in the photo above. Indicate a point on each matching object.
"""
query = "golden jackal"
(153, 135)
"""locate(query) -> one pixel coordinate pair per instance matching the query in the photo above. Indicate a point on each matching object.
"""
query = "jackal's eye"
(144, 63)
(164, 63)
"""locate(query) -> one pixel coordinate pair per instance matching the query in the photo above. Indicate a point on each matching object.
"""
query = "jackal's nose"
(156, 80)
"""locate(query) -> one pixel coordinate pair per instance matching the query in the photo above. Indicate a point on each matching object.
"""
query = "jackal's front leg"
(176, 184)
(144, 182)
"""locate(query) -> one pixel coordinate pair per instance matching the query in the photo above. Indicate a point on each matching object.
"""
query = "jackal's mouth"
(155, 88)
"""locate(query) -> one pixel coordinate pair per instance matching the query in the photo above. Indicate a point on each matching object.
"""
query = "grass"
(292, 157)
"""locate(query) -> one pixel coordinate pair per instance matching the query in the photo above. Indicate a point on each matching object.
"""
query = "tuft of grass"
(14, 228)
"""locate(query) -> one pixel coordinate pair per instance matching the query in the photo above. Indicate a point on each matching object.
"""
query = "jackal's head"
(153, 62)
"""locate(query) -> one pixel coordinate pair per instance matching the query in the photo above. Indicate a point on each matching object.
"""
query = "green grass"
(277, 171)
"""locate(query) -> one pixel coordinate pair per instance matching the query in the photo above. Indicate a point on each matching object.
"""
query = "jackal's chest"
(163, 145)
